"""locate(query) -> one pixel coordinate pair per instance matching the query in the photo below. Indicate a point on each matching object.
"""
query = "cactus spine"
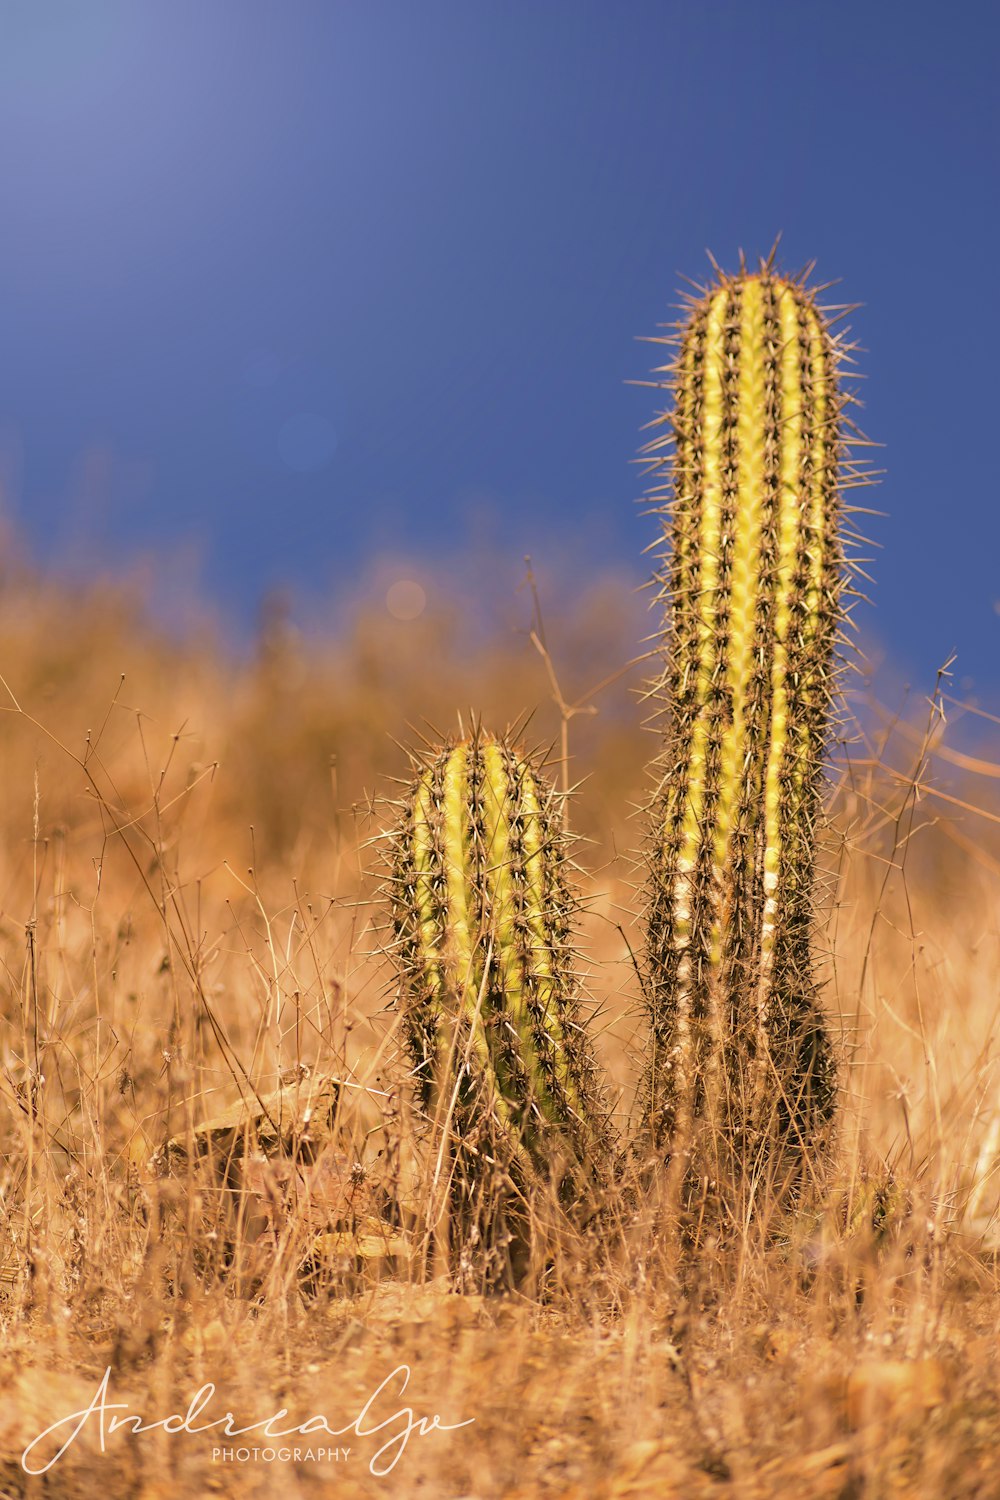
(752, 585)
(483, 914)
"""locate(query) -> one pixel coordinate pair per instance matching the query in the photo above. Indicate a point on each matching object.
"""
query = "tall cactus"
(752, 586)
(483, 914)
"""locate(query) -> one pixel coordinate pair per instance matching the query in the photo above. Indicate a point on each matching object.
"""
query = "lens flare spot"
(406, 600)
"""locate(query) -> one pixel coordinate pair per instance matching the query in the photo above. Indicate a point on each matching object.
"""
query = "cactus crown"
(483, 914)
(755, 454)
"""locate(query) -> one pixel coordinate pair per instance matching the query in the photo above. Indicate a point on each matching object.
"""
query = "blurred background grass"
(186, 857)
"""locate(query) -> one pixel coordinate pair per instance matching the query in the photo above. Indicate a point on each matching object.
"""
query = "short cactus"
(483, 913)
(752, 585)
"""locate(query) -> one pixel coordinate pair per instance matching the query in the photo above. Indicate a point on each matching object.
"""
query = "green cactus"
(752, 586)
(483, 912)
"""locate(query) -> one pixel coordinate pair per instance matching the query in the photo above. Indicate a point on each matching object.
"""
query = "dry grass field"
(186, 921)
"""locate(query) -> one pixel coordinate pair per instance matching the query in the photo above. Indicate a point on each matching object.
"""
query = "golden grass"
(183, 920)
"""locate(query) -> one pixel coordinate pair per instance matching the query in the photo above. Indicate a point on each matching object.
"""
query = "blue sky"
(296, 285)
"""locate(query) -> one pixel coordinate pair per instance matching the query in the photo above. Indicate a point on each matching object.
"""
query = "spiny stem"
(483, 914)
(751, 588)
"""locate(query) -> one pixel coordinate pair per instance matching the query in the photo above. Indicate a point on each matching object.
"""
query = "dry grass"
(183, 920)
